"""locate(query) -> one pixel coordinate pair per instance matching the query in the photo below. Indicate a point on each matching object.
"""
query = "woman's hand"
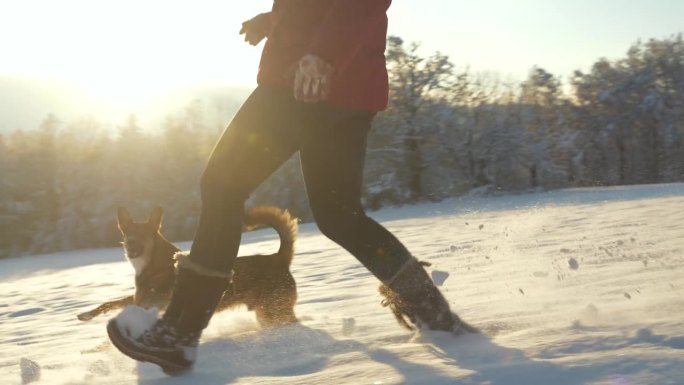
(256, 28)
(312, 79)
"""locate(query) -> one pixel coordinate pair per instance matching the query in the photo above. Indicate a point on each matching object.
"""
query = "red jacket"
(349, 34)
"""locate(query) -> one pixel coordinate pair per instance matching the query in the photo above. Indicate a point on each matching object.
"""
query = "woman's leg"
(333, 148)
(333, 151)
(253, 146)
(258, 141)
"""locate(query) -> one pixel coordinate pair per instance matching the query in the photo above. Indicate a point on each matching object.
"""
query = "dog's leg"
(275, 311)
(275, 317)
(105, 307)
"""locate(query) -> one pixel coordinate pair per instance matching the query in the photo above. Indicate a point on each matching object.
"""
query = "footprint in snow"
(30, 371)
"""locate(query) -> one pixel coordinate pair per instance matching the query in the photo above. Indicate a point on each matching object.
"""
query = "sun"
(128, 54)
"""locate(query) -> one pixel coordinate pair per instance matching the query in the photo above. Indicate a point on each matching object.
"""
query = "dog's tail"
(281, 220)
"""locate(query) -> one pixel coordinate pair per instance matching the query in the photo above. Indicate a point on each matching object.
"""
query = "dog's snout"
(133, 246)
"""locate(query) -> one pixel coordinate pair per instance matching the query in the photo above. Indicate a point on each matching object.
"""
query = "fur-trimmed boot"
(417, 303)
(172, 342)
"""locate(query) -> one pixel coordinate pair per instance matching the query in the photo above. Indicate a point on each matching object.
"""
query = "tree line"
(448, 131)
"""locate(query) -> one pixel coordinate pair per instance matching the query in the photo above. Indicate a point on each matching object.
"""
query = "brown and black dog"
(261, 282)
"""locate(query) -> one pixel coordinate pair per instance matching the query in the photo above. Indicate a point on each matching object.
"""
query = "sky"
(127, 53)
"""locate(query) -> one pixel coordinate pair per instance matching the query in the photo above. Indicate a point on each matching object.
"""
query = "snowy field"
(571, 287)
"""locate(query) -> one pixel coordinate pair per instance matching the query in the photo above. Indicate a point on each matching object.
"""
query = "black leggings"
(270, 127)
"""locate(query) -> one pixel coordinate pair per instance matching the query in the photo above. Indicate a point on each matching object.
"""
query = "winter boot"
(172, 342)
(417, 303)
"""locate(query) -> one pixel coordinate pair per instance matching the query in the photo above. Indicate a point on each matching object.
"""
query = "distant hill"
(24, 103)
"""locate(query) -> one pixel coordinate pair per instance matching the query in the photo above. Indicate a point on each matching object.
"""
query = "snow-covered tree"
(445, 132)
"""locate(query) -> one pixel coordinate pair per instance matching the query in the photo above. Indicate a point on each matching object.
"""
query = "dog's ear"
(156, 218)
(123, 218)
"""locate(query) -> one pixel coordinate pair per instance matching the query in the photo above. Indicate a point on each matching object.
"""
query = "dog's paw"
(87, 316)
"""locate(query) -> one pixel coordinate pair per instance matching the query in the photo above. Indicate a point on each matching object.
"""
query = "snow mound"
(135, 320)
(348, 325)
(438, 277)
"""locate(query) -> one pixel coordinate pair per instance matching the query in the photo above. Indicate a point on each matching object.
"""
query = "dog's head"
(138, 237)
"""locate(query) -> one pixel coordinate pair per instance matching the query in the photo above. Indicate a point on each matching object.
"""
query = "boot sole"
(125, 346)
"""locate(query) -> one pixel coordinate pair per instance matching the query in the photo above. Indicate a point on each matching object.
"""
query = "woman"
(321, 80)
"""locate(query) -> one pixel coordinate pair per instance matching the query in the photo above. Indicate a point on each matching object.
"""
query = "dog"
(261, 282)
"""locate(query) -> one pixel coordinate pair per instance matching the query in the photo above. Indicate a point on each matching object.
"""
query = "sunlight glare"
(127, 53)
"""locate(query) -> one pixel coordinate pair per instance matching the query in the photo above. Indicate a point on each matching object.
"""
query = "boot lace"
(163, 335)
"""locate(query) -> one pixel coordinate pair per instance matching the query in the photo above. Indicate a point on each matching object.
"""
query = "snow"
(505, 263)
(133, 321)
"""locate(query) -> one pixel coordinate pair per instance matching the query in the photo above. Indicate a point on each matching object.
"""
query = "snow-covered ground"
(571, 287)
